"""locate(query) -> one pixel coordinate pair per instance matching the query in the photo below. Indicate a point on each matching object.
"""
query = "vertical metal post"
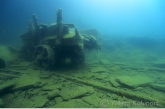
(59, 23)
(35, 20)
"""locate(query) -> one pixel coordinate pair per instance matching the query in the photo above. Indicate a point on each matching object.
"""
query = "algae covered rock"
(18, 101)
(89, 89)
(74, 103)
(39, 101)
(113, 82)
(72, 92)
(159, 87)
(93, 100)
(58, 99)
(53, 94)
(133, 81)
(26, 82)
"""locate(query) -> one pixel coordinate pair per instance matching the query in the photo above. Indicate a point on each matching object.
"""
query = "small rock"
(113, 82)
(92, 100)
(53, 94)
(39, 101)
(58, 99)
(72, 92)
(89, 89)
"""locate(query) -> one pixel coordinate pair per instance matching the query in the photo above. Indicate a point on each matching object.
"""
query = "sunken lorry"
(57, 45)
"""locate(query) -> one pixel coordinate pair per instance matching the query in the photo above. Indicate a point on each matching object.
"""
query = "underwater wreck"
(56, 45)
(103, 84)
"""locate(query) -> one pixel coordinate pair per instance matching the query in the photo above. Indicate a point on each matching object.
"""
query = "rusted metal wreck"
(58, 44)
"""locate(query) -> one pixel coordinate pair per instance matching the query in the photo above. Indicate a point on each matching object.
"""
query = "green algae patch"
(133, 81)
(113, 82)
(19, 101)
(159, 87)
(69, 35)
(92, 100)
(75, 103)
(51, 87)
(72, 92)
(26, 82)
(39, 101)
(53, 94)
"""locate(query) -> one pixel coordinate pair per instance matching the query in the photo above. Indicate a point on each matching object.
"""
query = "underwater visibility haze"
(82, 53)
